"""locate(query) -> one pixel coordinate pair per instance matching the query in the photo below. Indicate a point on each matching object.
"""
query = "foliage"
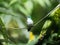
(13, 25)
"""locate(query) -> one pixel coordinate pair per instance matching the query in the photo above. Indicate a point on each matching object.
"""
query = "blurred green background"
(13, 25)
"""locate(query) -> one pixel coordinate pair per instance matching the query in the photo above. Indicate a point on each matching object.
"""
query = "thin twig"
(58, 6)
(14, 28)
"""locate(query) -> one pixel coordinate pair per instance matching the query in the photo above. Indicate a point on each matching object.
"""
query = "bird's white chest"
(29, 21)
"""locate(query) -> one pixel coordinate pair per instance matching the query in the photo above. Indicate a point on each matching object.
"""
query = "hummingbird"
(29, 23)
